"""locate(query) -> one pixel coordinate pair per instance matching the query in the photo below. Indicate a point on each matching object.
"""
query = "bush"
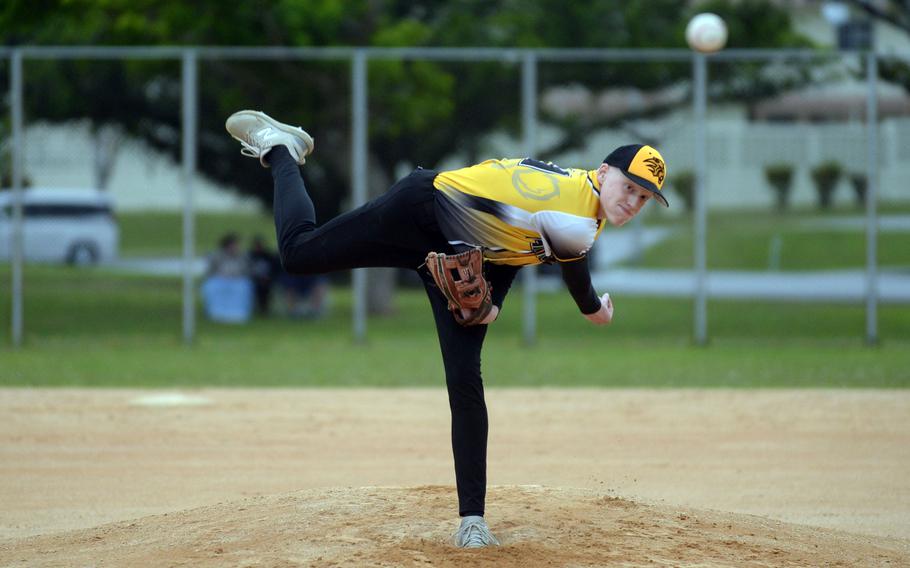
(825, 176)
(6, 180)
(780, 176)
(860, 183)
(683, 183)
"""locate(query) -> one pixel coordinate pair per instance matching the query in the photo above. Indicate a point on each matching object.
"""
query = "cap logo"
(657, 168)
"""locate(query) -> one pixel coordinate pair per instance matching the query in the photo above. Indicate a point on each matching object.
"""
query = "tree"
(860, 183)
(420, 111)
(409, 99)
(780, 176)
(683, 183)
(894, 12)
(825, 176)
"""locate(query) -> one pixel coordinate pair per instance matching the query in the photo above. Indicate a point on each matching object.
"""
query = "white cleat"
(474, 533)
(258, 133)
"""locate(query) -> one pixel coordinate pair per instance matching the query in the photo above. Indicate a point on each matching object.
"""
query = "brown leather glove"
(460, 279)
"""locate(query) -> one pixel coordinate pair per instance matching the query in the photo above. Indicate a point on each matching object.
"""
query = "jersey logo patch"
(533, 185)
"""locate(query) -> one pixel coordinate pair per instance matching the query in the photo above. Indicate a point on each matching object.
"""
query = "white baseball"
(606, 301)
(706, 32)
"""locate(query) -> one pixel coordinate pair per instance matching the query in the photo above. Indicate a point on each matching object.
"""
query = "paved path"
(886, 223)
(156, 266)
(818, 286)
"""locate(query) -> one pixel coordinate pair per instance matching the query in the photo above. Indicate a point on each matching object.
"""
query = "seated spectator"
(228, 260)
(264, 267)
(305, 296)
(227, 289)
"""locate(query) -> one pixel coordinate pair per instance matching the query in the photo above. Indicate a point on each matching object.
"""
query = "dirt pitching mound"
(392, 526)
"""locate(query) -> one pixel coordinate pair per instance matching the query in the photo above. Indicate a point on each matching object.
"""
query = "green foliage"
(896, 71)
(892, 12)
(754, 23)
(683, 183)
(6, 180)
(825, 177)
(420, 111)
(780, 176)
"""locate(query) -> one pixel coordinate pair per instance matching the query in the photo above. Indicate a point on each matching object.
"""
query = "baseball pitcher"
(466, 232)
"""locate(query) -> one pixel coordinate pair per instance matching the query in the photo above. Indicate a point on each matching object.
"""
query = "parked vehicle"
(73, 226)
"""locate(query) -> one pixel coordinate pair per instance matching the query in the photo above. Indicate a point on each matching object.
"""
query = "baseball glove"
(460, 279)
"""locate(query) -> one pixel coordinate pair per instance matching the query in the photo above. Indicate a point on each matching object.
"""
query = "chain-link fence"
(131, 185)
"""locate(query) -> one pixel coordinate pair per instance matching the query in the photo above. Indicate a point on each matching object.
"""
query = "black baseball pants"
(397, 229)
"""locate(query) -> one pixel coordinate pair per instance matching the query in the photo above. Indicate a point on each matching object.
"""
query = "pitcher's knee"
(465, 395)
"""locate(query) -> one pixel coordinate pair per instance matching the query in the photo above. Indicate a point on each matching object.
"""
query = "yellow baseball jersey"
(520, 211)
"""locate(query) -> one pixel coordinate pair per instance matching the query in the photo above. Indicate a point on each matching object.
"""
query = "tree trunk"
(107, 140)
(381, 284)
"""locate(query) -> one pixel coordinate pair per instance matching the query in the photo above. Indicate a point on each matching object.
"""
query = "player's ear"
(602, 173)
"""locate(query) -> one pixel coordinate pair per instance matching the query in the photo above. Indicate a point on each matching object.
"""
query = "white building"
(63, 155)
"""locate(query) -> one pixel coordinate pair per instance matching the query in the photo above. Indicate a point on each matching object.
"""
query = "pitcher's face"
(620, 198)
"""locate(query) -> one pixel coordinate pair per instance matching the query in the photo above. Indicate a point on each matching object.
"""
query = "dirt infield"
(364, 477)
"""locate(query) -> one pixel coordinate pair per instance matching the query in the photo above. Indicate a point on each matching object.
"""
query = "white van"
(75, 226)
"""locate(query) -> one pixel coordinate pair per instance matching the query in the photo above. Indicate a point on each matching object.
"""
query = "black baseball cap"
(642, 164)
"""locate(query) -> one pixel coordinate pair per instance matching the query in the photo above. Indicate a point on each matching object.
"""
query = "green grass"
(91, 328)
(742, 240)
(799, 250)
(156, 234)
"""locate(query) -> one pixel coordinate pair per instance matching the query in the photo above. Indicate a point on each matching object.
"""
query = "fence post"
(190, 123)
(701, 198)
(17, 111)
(359, 142)
(529, 131)
(871, 199)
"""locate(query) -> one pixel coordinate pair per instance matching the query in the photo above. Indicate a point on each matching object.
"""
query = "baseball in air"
(706, 33)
